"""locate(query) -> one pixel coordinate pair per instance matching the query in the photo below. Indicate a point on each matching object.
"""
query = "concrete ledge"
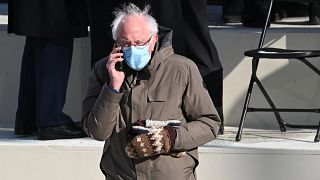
(262, 154)
(30, 159)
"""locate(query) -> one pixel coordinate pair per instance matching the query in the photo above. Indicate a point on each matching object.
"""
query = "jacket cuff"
(177, 142)
(107, 94)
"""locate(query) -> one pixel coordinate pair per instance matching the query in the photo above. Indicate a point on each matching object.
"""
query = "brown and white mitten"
(158, 140)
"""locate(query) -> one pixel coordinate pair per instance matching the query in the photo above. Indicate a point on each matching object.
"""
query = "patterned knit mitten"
(159, 140)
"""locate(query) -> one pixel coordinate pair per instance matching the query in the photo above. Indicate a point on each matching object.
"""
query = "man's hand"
(159, 140)
(116, 77)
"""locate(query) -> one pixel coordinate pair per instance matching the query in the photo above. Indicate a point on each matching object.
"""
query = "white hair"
(129, 10)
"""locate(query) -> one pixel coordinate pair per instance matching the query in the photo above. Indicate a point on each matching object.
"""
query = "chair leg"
(317, 137)
(310, 65)
(276, 113)
(245, 108)
(254, 66)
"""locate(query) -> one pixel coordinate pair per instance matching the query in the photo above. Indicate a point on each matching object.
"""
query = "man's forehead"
(134, 25)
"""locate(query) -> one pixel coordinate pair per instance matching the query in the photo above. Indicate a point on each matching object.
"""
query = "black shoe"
(65, 131)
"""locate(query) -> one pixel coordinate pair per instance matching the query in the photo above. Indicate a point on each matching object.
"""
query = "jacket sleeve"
(203, 121)
(101, 111)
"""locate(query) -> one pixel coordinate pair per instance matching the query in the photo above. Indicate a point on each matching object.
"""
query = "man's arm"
(101, 110)
(203, 119)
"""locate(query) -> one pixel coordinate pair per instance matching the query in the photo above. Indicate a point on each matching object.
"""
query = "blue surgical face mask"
(137, 57)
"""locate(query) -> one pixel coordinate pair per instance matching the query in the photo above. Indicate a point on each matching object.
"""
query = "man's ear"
(154, 42)
(156, 39)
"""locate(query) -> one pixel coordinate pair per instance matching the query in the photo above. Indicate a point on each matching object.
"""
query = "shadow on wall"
(11, 52)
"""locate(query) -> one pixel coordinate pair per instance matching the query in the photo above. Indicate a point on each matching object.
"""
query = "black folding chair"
(276, 53)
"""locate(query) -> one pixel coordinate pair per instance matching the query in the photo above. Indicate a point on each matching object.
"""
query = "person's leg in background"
(53, 64)
(25, 123)
(45, 72)
(254, 13)
(314, 13)
(232, 10)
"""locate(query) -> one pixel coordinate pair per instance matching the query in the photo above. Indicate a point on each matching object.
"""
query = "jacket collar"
(163, 49)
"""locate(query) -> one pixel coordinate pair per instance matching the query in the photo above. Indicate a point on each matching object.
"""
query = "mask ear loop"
(151, 39)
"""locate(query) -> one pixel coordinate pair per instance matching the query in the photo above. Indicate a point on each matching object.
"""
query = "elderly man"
(153, 112)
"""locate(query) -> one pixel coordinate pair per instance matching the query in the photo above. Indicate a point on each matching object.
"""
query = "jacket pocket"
(158, 96)
(156, 107)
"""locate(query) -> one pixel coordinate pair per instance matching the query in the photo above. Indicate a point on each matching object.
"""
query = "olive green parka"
(170, 87)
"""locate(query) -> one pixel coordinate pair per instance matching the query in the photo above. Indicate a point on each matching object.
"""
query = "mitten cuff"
(172, 134)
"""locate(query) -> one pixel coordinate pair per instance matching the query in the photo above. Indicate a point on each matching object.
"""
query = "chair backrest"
(266, 25)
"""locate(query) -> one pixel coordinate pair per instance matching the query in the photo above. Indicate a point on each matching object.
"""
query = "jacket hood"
(165, 37)
(163, 48)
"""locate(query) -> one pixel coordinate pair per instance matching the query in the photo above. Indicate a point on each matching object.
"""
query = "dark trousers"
(44, 78)
(233, 7)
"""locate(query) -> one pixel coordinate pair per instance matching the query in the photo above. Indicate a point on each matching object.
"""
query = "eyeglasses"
(138, 44)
